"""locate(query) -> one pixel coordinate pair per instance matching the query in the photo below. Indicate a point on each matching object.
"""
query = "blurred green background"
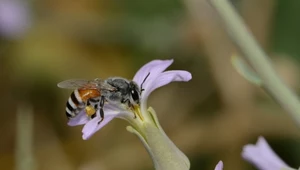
(210, 118)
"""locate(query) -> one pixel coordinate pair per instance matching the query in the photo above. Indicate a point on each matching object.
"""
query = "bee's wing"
(102, 84)
(108, 87)
(77, 83)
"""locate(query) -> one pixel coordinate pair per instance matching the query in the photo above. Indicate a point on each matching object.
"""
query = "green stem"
(257, 58)
(165, 155)
(24, 137)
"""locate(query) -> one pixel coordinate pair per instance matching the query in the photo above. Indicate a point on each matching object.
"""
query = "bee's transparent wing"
(77, 83)
(103, 85)
(108, 87)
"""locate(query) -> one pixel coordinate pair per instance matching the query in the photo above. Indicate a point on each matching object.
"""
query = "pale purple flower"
(157, 77)
(14, 18)
(262, 156)
(219, 166)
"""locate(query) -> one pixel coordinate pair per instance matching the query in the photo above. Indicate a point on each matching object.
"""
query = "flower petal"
(154, 67)
(219, 166)
(92, 126)
(269, 153)
(14, 18)
(164, 79)
(262, 156)
(110, 111)
(80, 119)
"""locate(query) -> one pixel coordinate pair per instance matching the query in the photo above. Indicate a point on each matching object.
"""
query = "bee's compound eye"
(135, 96)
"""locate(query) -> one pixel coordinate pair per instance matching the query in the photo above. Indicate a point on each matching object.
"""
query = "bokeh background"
(210, 118)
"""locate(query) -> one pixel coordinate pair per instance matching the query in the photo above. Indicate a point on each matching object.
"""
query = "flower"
(219, 166)
(262, 156)
(151, 76)
(14, 18)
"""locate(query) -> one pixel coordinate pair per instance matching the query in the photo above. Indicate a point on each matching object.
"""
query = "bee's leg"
(93, 116)
(87, 109)
(129, 105)
(127, 101)
(102, 100)
(96, 106)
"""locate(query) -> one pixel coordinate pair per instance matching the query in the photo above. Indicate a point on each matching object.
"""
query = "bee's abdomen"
(74, 104)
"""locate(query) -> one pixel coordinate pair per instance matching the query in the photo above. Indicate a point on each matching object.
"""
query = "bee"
(91, 95)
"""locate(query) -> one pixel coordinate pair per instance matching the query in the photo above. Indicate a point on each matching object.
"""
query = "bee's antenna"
(144, 82)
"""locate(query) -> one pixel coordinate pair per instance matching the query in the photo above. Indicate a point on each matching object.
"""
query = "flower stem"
(257, 58)
(165, 155)
(24, 137)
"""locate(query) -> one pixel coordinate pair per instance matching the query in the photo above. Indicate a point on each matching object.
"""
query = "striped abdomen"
(78, 99)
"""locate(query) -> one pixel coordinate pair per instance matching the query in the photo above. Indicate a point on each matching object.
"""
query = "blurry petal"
(219, 166)
(80, 119)
(262, 156)
(164, 79)
(14, 18)
(154, 67)
(92, 126)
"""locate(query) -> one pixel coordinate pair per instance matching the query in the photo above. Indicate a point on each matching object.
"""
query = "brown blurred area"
(209, 118)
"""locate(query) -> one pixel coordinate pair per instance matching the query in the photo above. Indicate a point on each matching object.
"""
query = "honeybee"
(92, 94)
